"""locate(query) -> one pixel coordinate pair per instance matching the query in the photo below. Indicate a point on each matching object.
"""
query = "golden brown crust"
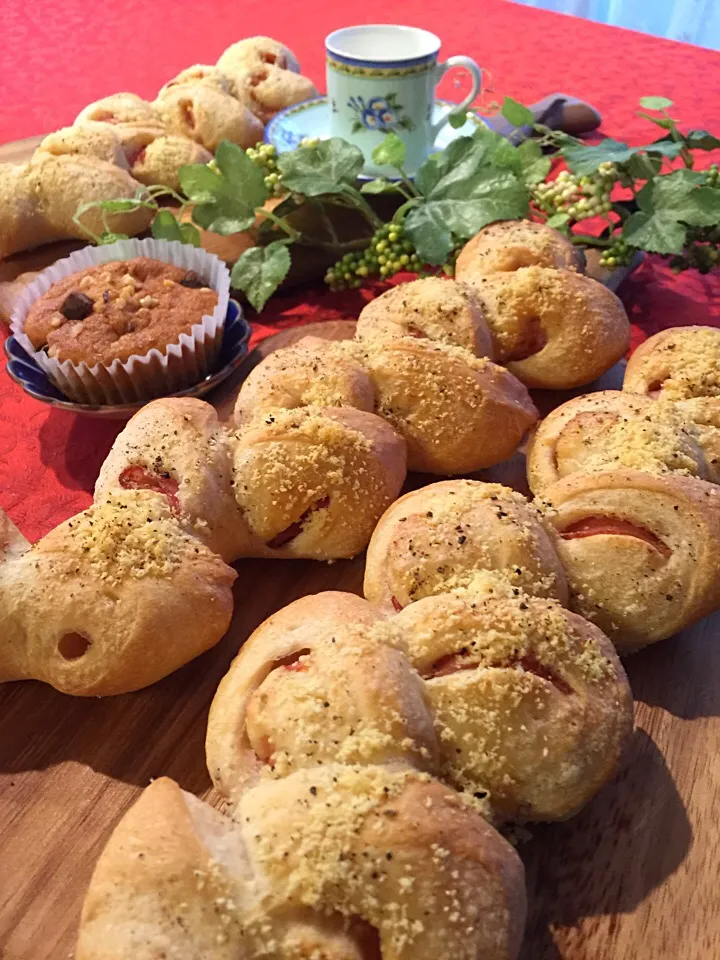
(611, 430)
(441, 310)
(457, 413)
(136, 306)
(206, 114)
(511, 244)
(311, 372)
(676, 364)
(552, 328)
(198, 73)
(530, 701)
(314, 482)
(119, 108)
(441, 537)
(177, 445)
(114, 599)
(313, 686)
(162, 157)
(89, 139)
(656, 573)
(327, 859)
(704, 414)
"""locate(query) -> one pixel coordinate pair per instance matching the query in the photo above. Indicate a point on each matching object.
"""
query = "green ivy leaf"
(678, 195)
(702, 140)
(224, 218)
(390, 152)
(328, 167)
(658, 233)
(166, 227)
(439, 164)
(259, 271)
(457, 120)
(429, 234)
(655, 103)
(665, 122)
(516, 113)
(584, 159)
(558, 220)
(244, 178)
(378, 186)
(189, 233)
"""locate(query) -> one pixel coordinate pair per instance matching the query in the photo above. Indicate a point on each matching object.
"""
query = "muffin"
(144, 322)
(118, 309)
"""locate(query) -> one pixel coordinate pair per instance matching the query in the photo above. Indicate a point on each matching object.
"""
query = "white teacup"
(382, 78)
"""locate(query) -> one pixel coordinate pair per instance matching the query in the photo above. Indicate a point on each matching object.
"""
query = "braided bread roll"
(160, 159)
(529, 701)
(457, 413)
(341, 862)
(204, 113)
(177, 448)
(441, 310)
(314, 482)
(641, 552)
(311, 372)
(611, 430)
(552, 329)
(112, 600)
(507, 245)
(311, 686)
(440, 537)
(90, 139)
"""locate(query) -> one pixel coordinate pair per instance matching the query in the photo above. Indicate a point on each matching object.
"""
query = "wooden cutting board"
(633, 877)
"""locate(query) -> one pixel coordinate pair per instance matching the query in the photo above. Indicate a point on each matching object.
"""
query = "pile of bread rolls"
(122, 142)
(368, 750)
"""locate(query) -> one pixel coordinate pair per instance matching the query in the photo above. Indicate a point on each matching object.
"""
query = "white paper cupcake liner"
(157, 373)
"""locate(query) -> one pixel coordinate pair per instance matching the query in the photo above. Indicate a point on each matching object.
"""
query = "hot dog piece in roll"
(641, 552)
(314, 482)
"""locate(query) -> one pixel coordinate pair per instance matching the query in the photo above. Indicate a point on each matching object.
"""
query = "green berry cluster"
(264, 155)
(702, 252)
(618, 254)
(713, 176)
(388, 252)
(578, 197)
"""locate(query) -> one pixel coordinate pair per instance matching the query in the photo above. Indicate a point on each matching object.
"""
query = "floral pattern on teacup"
(379, 113)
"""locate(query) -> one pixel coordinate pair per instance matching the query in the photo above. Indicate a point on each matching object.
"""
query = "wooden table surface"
(633, 877)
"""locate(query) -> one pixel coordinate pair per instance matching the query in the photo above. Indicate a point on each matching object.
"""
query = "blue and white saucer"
(311, 118)
(35, 382)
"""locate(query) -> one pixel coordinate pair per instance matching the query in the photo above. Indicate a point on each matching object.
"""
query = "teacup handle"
(475, 72)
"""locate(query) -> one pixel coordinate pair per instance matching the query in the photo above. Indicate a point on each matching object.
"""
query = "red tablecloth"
(56, 57)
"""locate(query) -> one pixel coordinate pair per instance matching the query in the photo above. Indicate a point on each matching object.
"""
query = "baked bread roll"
(704, 415)
(611, 430)
(120, 108)
(441, 310)
(676, 364)
(281, 641)
(314, 482)
(112, 600)
(507, 245)
(340, 862)
(89, 139)
(530, 701)
(457, 413)
(177, 448)
(207, 115)
(553, 329)
(310, 372)
(440, 537)
(198, 73)
(160, 160)
(253, 52)
(641, 552)
(302, 695)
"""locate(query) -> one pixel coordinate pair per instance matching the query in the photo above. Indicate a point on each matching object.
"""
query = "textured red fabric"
(56, 57)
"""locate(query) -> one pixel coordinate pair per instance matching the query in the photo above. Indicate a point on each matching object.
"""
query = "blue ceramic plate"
(25, 372)
(311, 118)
